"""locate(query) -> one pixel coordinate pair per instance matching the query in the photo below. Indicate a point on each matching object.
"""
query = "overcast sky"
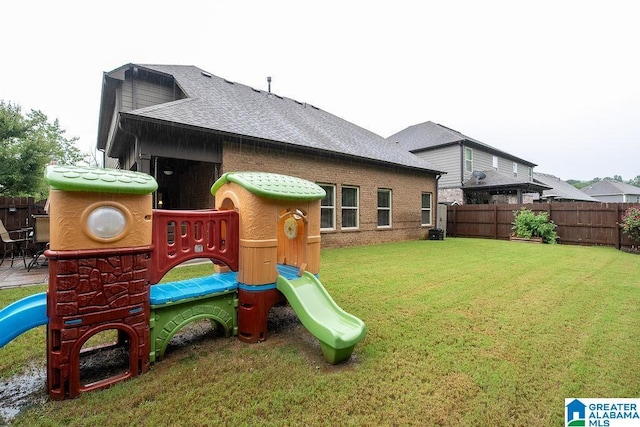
(554, 82)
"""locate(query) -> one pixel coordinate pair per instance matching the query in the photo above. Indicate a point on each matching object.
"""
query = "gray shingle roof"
(430, 135)
(222, 106)
(561, 190)
(495, 180)
(610, 187)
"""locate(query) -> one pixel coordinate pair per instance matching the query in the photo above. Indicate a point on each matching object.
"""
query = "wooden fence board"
(17, 213)
(579, 223)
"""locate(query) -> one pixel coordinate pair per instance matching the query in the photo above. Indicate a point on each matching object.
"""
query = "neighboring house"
(560, 190)
(610, 190)
(186, 127)
(476, 172)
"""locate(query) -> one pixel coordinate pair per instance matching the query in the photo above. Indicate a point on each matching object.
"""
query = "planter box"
(522, 239)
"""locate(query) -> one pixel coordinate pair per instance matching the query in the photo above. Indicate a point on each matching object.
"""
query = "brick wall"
(406, 186)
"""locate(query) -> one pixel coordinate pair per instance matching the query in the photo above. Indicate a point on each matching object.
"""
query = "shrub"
(631, 223)
(527, 225)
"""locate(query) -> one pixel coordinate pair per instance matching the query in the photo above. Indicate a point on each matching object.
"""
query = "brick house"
(186, 127)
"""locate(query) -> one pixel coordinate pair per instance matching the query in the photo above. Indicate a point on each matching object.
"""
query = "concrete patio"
(11, 277)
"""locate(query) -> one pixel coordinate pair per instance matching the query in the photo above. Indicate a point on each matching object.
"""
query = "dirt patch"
(103, 363)
(631, 250)
(21, 392)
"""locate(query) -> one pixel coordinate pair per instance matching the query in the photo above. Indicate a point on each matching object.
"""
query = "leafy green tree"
(27, 144)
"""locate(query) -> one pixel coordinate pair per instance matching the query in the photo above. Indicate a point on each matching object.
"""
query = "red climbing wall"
(90, 292)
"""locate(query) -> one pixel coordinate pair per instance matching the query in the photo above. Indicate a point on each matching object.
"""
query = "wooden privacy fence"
(578, 223)
(17, 213)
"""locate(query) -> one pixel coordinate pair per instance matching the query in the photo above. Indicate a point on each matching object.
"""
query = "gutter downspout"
(134, 89)
(136, 150)
(461, 164)
(464, 198)
(438, 176)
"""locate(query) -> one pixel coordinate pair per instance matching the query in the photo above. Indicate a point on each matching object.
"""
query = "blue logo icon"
(576, 413)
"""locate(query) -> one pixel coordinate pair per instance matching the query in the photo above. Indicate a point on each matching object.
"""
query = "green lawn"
(460, 332)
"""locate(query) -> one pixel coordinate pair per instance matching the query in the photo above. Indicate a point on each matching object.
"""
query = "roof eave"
(132, 117)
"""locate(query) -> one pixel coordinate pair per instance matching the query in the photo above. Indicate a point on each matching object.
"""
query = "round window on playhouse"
(106, 223)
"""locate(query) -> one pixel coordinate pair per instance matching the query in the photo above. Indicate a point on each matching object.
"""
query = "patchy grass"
(460, 332)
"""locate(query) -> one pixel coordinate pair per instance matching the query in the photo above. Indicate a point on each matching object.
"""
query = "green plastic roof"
(272, 185)
(81, 178)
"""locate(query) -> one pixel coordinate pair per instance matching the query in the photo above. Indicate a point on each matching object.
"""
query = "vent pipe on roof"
(269, 84)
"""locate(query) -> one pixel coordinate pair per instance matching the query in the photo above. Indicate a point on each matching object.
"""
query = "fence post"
(455, 227)
(495, 222)
(617, 232)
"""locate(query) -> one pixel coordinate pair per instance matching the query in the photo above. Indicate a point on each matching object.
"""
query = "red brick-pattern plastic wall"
(89, 293)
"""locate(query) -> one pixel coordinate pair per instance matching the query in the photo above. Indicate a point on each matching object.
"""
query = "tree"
(27, 144)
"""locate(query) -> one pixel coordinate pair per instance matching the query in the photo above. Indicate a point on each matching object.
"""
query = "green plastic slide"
(337, 330)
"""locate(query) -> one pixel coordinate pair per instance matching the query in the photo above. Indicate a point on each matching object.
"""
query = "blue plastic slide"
(337, 330)
(22, 315)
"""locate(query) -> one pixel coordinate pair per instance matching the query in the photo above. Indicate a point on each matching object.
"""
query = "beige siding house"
(186, 126)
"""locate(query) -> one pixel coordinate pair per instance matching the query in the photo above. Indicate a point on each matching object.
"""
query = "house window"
(328, 208)
(384, 208)
(495, 162)
(530, 174)
(515, 169)
(468, 159)
(350, 207)
(426, 208)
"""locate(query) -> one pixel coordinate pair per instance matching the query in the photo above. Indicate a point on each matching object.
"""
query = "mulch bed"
(631, 250)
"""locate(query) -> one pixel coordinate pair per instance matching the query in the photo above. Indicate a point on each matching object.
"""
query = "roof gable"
(430, 135)
(426, 135)
(610, 187)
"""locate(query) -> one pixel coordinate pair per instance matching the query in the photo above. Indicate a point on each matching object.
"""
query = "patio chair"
(40, 238)
(13, 246)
